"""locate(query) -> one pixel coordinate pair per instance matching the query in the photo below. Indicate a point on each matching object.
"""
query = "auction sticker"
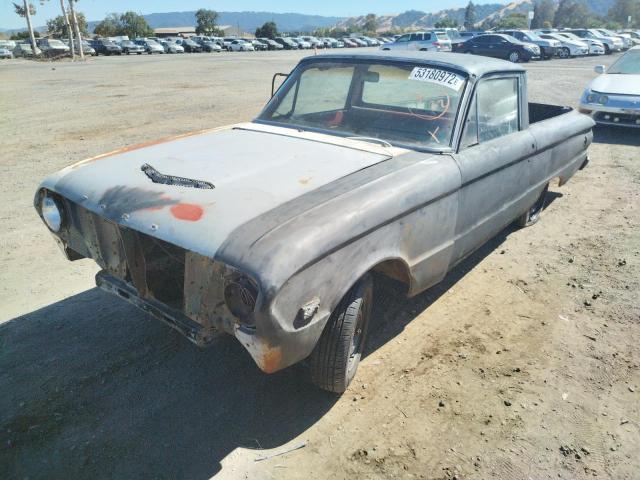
(435, 75)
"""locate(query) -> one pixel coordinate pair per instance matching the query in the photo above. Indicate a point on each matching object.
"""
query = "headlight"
(603, 99)
(52, 212)
(240, 295)
(597, 98)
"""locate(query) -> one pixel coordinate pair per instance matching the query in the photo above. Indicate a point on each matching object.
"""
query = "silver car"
(5, 53)
(613, 97)
(422, 41)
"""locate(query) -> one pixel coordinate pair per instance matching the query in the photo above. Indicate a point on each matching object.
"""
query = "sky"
(97, 9)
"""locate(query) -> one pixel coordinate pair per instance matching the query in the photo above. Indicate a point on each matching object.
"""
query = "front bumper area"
(194, 331)
(618, 117)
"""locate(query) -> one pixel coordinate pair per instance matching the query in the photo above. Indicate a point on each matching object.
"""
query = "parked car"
(24, 50)
(150, 46)
(104, 46)
(209, 46)
(128, 47)
(8, 44)
(5, 53)
(51, 47)
(548, 47)
(271, 44)
(349, 42)
(301, 43)
(449, 139)
(626, 41)
(287, 43)
(313, 41)
(634, 35)
(469, 33)
(611, 44)
(171, 47)
(613, 97)
(258, 46)
(596, 47)
(452, 34)
(240, 45)
(499, 46)
(359, 42)
(190, 46)
(423, 41)
(87, 49)
(568, 47)
(370, 42)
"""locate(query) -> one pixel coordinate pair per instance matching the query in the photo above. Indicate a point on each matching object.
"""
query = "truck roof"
(471, 64)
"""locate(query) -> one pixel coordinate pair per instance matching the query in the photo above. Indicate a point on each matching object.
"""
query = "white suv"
(423, 41)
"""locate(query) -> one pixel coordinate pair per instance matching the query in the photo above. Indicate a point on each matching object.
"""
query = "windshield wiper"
(384, 143)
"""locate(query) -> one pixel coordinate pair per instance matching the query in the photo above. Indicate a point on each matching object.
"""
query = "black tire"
(335, 359)
(564, 52)
(607, 50)
(532, 215)
(514, 56)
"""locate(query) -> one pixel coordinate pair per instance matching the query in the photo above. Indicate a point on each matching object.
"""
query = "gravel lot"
(523, 363)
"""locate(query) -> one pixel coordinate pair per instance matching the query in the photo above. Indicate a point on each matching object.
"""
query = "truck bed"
(542, 111)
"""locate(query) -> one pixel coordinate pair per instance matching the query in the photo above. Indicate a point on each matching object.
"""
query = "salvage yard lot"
(523, 363)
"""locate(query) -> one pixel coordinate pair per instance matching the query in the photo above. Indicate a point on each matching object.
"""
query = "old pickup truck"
(388, 163)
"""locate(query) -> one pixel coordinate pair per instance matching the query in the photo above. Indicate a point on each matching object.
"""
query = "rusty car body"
(401, 163)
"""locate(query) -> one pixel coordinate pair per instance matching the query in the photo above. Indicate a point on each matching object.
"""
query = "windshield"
(533, 36)
(628, 64)
(402, 104)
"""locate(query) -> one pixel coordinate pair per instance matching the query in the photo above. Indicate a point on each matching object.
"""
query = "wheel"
(607, 50)
(564, 52)
(335, 359)
(514, 56)
(532, 215)
(128, 52)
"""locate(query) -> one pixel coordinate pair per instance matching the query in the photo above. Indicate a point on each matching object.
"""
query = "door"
(414, 41)
(494, 158)
(402, 43)
(483, 45)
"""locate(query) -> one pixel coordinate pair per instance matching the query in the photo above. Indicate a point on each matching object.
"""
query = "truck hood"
(620, 84)
(252, 168)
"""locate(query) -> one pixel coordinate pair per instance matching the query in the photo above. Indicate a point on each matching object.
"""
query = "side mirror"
(273, 81)
(600, 69)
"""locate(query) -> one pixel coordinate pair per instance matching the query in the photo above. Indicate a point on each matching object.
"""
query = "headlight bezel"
(52, 211)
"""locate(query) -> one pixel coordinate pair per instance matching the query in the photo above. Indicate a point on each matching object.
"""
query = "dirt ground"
(523, 363)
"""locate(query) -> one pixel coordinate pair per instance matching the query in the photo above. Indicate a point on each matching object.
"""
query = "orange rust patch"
(187, 211)
(271, 360)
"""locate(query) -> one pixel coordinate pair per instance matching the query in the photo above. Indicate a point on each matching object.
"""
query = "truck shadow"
(616, 135)
(94, 388)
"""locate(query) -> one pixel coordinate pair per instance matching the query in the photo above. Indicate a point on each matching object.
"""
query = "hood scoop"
(157, 177)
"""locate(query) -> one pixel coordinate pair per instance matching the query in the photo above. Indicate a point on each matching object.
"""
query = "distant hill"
(416, 19)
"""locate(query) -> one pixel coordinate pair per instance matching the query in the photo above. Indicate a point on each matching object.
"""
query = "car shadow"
(92, 387)
(616, 135)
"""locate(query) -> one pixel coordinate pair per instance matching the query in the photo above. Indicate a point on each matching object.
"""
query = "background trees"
(370, 24)
(267, 30)
(446, 23)
(58, 27)
(206, 22)
(128, 23)
(470, 16)
(621, 10)
(543, 13)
